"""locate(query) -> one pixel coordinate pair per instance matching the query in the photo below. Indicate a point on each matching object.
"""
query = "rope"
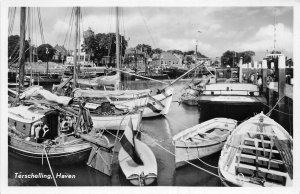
(188, 161)
(200, 168)
(274, 108)
(269, 113)
(145, 22)
(50, 166)
(41, 25)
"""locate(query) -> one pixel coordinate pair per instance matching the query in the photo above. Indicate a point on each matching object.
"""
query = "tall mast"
(77, 11)
(117, 40)
(22, 44)
(117, 47)
(274, 29)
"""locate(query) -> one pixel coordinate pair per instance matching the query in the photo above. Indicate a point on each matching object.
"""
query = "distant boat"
(202, 140)
(259, 152)
(136, 159)
(223, 88)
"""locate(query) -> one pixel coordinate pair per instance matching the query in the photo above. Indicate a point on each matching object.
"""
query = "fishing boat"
(129, 100)
(136, 159)
(49, 129)
(259, 153)
(202, 140)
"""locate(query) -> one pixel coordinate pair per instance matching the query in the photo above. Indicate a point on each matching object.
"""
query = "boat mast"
(274, 47)
(22, 44)
(77, 12)
(117, 44)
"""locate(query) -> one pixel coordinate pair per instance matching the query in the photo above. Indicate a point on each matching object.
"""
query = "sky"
(214, 29)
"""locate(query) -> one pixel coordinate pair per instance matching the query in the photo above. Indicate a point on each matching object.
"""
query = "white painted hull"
(202, 140)
(192, 152)
(147, 112)
(233, 159)
(117, 122)
(142, 102)
(132, 171)
(134, 102)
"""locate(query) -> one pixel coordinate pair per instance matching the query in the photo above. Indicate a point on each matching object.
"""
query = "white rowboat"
(258, 153)
(202, 140)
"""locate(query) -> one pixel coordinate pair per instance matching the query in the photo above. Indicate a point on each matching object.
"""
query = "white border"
(126, 3)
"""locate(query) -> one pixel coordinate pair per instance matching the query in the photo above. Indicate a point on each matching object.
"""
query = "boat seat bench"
(269, 175)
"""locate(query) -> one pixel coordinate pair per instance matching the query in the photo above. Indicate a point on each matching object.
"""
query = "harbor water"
(156, 132)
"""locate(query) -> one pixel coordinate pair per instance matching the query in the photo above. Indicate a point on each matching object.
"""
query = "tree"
(189, 53)
(174, 51)
(189, 60)
(231, 58)
(144, 48)
(102, 44)
(156, 51)
(45, 52)
(14, 47)
(247, 56)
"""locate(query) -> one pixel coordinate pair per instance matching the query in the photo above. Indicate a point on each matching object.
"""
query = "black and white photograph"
(149, 95)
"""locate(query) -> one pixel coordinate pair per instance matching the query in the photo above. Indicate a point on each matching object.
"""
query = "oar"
(271, 149)
(256, 149)
(263, 144)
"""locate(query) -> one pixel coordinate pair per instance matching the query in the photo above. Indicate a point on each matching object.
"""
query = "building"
(82, 59)
(136, 59)
(60, 53)
(166, 59)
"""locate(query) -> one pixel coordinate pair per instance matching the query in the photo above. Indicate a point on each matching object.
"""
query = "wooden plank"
(260, 149)
(261, 158)
(264, 170)
(265, 141)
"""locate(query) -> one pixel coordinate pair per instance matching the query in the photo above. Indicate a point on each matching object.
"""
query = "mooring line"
(50, 166)
(186, 160)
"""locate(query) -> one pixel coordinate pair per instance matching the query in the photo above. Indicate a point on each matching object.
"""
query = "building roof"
(61, 49)
(134, 51)
(168, 56)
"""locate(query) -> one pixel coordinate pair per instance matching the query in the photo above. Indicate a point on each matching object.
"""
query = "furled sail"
(34, 91)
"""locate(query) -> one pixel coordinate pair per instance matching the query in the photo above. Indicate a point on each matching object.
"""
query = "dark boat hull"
(239, 112)
(65, 154)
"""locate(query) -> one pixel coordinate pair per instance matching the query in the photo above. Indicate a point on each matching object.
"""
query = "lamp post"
(47, 52)
(199, 32)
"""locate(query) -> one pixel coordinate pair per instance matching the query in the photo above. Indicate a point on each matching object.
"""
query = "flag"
(128, 144)
(155, 105)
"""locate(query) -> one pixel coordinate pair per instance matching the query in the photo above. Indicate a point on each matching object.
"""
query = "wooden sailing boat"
(149, 105)
(136, 159)
(47, 128)
(104, 113)
(259, 153)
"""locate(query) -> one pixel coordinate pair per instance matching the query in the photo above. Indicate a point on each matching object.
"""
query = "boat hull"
(117, 122)
(202, 140)
(68, 154)
(258, 153)
(185, 152)
(147, 112)
(132, 171)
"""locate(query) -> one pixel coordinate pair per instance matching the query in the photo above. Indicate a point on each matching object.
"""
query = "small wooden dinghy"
(136, 159)
(257, 153)
(202, 140)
